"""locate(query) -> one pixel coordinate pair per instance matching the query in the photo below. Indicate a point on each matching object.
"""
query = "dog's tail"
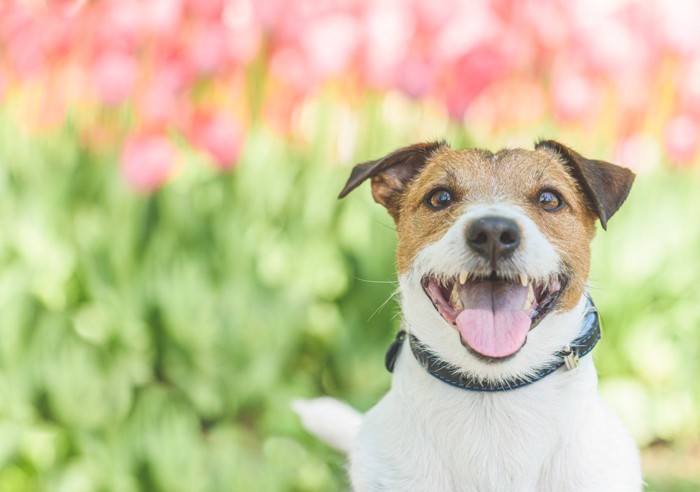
(330, 420)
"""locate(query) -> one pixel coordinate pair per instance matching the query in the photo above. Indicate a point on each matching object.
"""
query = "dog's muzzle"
(493, 238)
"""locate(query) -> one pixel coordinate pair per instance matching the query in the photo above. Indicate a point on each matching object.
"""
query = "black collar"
(568, 356)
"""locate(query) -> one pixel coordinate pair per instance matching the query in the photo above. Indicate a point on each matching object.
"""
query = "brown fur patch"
(513, 176)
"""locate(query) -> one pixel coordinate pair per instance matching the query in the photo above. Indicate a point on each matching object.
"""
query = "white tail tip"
(330, 420)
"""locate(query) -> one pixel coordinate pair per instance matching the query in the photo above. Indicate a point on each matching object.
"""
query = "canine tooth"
(463, 277)
(530, 299)
(523, 279)
(455, 300)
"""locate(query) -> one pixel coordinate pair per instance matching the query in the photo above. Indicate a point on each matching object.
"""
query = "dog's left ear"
(392, 173)
(606, 185)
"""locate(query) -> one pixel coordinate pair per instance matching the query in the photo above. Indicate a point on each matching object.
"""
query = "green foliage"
(644, 277)
(155, 342)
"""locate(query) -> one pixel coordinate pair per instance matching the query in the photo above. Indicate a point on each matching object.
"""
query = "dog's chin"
(494, 313)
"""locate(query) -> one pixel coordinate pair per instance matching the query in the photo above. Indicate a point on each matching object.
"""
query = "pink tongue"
(493, 322)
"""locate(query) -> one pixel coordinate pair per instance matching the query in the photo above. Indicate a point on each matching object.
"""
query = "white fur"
(536, 256)
(448, 256)
(332, 421)
(553, 435)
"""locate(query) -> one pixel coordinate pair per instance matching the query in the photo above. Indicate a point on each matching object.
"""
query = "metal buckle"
(570, 358)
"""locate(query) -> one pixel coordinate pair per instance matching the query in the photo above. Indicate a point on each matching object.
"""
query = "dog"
(492, 389)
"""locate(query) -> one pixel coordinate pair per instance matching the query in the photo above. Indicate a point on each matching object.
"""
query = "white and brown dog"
(488, 391)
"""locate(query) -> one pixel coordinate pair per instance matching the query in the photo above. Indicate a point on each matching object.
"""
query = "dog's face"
(491, 246)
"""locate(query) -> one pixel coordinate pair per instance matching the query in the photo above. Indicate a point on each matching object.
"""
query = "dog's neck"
(568, 357)
(413, 382)
(479, 432)
(544, 342)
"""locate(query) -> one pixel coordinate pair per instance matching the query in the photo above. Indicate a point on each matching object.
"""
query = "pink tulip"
(550, 22)
(468, 77)
(290, 65)
(158, 106)
(24, 48)
(68, 8)
(472, 28)
(119, 22)
(330, 43)
(678, 21)
(114, 75)
(388, 29)
(505, 62)
(147, 160)
(162, 17)
(272, 13)
(244, 31)
(681, 140)
(638, 152)
(611, 46)
(220, 136)
(689, 87)
(162, 99)
(210, 9)
(573, 95)
(206, 48)
(416, 77)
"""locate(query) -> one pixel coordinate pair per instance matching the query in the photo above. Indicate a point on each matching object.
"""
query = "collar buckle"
(570, 358)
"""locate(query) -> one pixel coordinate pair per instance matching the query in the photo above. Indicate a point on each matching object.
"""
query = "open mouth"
(493, 314)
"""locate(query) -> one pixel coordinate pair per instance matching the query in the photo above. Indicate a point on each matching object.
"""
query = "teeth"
(455, 300)
(463, 277)
(530, 300)
(523, 279)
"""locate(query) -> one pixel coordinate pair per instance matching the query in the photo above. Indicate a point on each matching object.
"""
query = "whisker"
(391, 296)
(376, 281)
(383, 224)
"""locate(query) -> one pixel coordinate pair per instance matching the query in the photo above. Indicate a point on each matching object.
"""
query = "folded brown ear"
(391, 173)
(605, 184)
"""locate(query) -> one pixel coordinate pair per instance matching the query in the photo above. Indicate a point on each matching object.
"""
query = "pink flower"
(147, 160)
(573, 95)
(689, 87)
(162, 17)
(388, 29)
(289, 65)
(678, 21)
(206, 48)
(416, 77)
(114, 75)
(330, 43)
(206, 8)
(244, 33)
(220, 136)
(638, 152)
(119, 21)
(469, 76)
(681, 139)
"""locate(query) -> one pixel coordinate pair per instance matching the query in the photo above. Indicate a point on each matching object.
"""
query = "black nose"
(493, 237)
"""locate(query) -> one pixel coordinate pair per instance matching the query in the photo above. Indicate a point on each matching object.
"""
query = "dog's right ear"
(605, 184)
(392, 173)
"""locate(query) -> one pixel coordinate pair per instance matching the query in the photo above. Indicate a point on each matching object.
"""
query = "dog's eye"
(550, 200)
(438, 199)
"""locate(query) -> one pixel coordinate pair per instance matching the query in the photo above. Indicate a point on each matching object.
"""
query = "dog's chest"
(428, 436)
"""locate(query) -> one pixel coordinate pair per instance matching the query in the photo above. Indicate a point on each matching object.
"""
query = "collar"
(567, 356)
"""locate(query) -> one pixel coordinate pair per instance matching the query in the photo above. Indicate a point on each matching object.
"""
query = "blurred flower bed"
(174, 267)
(144, 75)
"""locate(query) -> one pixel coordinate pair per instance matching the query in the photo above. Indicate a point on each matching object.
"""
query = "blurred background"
(175, 268)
